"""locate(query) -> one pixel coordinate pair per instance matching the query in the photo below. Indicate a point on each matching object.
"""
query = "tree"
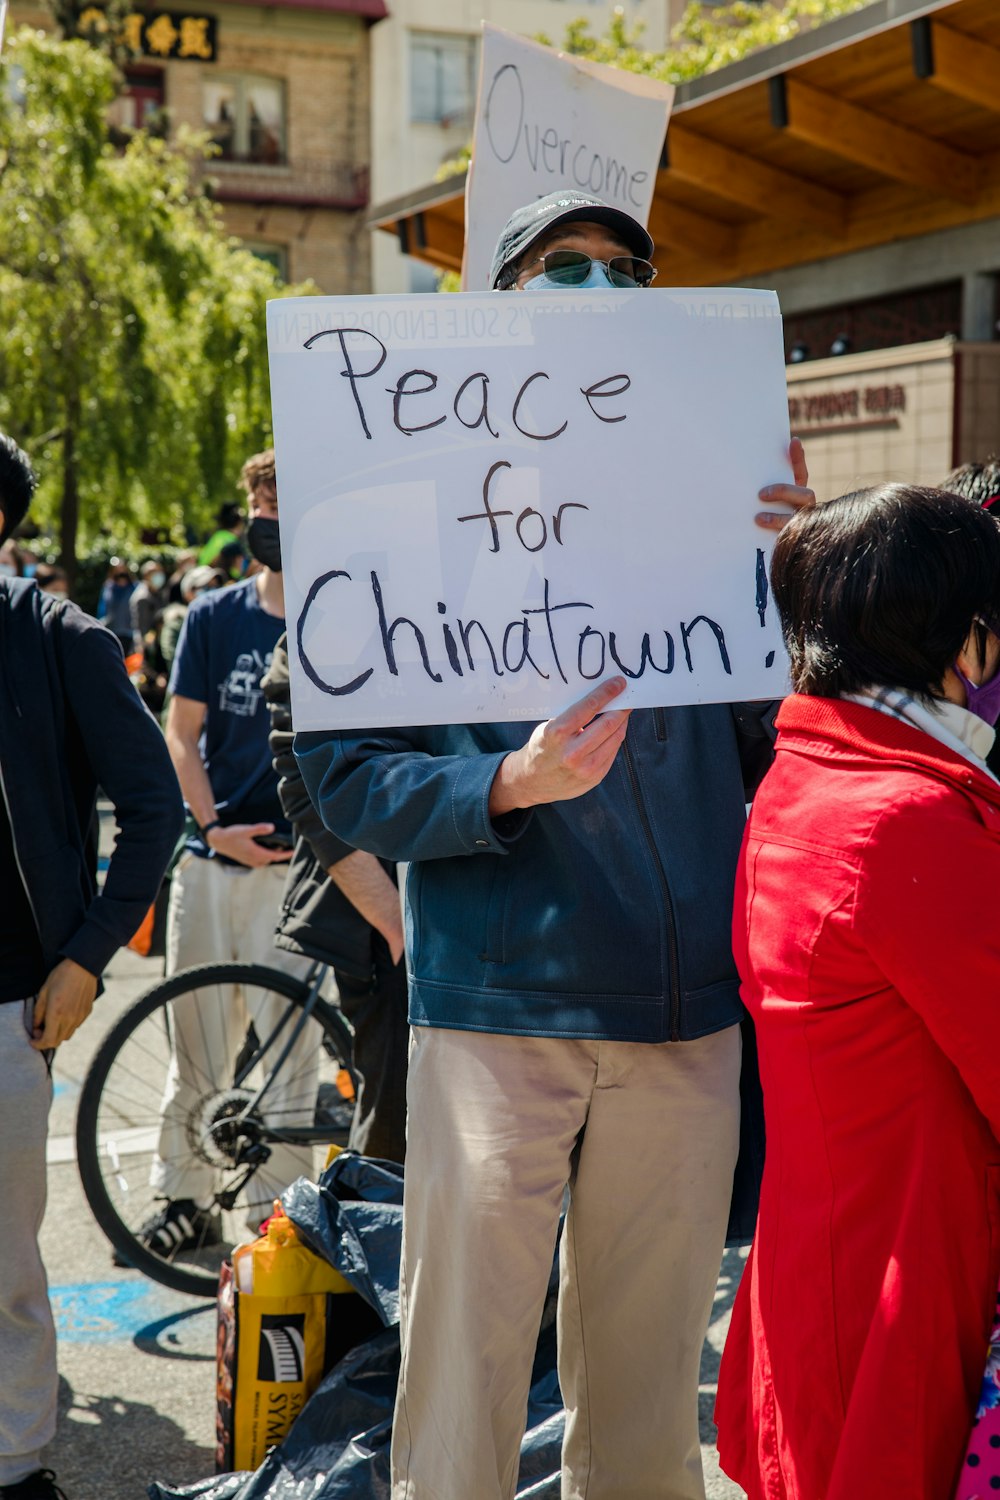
(133, 363)
(707, 37)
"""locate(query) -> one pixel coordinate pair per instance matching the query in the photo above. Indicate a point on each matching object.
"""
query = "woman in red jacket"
(867, 939)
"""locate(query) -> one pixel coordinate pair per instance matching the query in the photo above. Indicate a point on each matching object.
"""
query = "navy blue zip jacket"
(71, 721)
(605, 916)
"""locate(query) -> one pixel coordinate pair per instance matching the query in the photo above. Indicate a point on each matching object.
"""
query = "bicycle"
(226, 1122)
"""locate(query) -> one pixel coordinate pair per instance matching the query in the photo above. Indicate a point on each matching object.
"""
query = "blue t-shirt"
(225, 648)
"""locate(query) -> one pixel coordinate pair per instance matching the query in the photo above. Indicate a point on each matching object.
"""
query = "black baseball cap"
(563, 207)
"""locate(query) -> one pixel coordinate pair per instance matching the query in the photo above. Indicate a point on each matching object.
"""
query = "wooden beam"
(966, 67)
(738, 178)
(441, 260)
(672, 224)
(871, 141)
(880, 215)
(444, 241)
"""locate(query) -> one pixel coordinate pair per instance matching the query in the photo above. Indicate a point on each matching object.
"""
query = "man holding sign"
(575, 1011)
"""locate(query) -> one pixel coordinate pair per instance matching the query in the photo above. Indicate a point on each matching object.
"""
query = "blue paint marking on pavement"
(105, 1312)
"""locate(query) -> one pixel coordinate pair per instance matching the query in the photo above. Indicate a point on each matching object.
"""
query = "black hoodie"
(70, 721)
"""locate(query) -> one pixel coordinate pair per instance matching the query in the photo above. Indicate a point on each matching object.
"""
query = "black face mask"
(264, 542)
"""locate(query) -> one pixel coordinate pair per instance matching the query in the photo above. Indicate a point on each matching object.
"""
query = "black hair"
(230, 515)
(979, 482)
(882, 587)
(17, 485)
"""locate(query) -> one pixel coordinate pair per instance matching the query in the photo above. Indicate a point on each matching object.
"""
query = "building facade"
(283, 91)
(425, 72)
(894, 357)
(855, 170)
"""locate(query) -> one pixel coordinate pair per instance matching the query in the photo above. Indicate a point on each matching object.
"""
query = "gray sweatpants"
(27, 1335)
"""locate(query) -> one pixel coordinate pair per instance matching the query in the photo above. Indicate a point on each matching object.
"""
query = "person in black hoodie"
(342, 906)
(70, 721)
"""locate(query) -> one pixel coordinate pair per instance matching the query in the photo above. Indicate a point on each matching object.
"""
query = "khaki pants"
(646, 1137)
(220, 914)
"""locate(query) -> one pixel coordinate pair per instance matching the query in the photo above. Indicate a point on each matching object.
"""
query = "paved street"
(137, 1361)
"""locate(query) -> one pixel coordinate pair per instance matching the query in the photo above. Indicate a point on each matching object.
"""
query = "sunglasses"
(572, 267)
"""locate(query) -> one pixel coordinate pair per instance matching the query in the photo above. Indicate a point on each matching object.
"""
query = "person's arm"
(296, 803)
(357, 874)
(185, 720)
(926, 910)
(129, 760)
(382, 791)
(361, 878)
(565, 756)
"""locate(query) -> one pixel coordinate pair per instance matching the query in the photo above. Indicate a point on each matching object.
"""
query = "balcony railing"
(305, 182)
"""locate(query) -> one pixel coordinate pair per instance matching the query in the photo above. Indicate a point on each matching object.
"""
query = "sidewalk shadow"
(107, 1448)
(160, 1338)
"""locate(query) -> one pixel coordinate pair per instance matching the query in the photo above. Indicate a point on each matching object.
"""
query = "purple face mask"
(983, 701)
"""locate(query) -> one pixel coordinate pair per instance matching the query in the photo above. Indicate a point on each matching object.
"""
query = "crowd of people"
(587, 997)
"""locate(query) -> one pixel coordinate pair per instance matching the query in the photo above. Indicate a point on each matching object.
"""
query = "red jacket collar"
(838, 727)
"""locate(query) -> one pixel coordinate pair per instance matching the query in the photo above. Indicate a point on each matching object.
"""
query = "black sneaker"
(180, 1225)
(38, 1486)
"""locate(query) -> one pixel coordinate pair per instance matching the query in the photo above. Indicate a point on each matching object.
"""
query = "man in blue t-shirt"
(227, 887)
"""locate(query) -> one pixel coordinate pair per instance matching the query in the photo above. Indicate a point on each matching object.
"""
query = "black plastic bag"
(338, 1448)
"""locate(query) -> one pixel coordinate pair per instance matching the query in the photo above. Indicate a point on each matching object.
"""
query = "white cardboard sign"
(546, 120)
(489, 502)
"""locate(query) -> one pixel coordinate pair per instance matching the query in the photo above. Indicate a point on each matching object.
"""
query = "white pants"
(27, 1335)
(646, 1137)
(219, 914)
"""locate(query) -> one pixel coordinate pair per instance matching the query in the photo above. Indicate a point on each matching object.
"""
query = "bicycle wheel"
(208, 1087)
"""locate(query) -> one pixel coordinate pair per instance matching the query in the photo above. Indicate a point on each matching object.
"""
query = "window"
(139, 106)
(914, 317)
(442, 78)
(245, 117)
(275, 255)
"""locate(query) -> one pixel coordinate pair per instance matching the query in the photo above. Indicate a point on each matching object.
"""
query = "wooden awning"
(882, 125)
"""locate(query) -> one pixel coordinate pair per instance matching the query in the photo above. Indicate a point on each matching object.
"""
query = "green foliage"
(449, 281)
(706, 38)
(133, 364)
(455, 165)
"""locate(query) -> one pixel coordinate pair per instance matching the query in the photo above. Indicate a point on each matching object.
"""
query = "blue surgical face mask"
(597, 280)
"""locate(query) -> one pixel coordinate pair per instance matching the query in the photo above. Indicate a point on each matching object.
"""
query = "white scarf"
(949, 723)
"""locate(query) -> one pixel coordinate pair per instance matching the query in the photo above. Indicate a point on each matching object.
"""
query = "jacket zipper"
(17, 861)
(675, 988)
(660, 724)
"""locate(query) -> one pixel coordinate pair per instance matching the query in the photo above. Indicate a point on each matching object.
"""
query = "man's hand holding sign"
(510, 515)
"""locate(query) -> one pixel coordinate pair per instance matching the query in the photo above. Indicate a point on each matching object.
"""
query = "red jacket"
(867, 935)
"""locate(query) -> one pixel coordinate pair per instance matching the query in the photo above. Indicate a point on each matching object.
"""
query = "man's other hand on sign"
(798, 495)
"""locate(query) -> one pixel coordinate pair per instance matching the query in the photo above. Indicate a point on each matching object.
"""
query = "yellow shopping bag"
(274, 1341)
